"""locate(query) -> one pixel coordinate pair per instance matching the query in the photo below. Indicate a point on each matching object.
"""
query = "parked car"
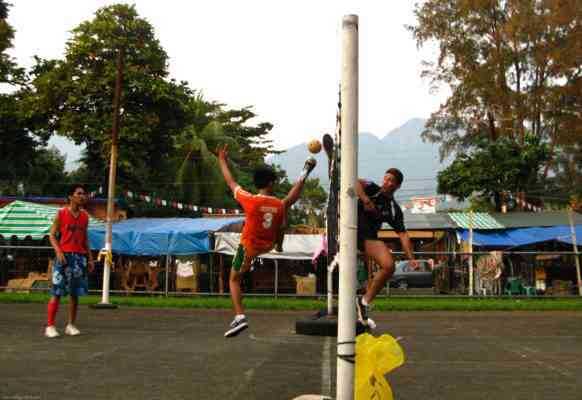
(405, 275)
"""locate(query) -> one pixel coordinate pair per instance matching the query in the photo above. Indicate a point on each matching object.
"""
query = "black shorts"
(366, 231)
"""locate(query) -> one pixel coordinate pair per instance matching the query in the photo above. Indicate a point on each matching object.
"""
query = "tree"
(9, 71)
(513, 68)
(309, 207)
(311, 203)
(47, 175)
(75, 96)
(198, 178)
(25, 161)
(254, 146)
(17, 146)
(567, 164)
(168, 131)
(494, 168)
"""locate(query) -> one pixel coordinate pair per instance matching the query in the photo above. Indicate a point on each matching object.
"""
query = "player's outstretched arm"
(295, 191)
(222, 153)
(368, 204)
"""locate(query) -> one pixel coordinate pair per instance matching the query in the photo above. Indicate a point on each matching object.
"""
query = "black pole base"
(322, 324)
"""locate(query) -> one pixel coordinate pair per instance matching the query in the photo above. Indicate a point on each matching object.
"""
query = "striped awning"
(477, 220)
(22, 219)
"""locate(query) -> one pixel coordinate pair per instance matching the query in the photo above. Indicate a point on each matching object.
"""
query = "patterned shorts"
(70, 278)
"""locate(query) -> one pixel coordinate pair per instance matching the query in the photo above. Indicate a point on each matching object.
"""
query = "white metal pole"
(348, 211)
(471, 253)
(106, 272)
(575, 245)
(330, 290)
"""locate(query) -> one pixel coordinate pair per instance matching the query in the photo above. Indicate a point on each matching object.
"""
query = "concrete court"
(134, 353)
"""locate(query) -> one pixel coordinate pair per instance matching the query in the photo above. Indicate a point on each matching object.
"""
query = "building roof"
(485, 221)
(436, 221)
(21, 219)
(477, 220)
(529, 219)
(47, 200)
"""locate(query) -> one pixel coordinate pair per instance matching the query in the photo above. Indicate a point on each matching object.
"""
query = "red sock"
(52, 308)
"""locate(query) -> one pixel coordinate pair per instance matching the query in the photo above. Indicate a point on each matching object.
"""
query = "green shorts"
(239, 258)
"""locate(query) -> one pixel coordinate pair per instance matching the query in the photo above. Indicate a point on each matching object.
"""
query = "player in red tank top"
(73, 230)
(73, 259)
(265, 217)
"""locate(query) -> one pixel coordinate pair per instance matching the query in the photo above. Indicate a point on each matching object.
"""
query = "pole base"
(103, 306)
(322, 324)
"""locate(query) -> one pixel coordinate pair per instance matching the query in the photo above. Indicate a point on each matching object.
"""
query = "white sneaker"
(237, 326)
(71, 330)
(51, 332)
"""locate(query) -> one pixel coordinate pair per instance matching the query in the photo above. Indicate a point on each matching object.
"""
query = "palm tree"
(198, 178)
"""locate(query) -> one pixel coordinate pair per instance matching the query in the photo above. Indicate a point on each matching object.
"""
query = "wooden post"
(107, 265)
(167, 280)
(575, 245)
(471, 289)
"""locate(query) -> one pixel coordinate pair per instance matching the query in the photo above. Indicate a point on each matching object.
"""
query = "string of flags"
(174, 204)
(178, 205)
(527, 206)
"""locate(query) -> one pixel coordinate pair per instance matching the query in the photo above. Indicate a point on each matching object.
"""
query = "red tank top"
(73, 231)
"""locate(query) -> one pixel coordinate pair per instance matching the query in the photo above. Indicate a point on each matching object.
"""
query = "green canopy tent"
(21, 219)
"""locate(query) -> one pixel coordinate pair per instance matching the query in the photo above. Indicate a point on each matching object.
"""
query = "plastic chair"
(529, 290)
(513, 287)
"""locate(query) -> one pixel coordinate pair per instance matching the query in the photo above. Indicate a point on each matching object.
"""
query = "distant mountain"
(401, 148)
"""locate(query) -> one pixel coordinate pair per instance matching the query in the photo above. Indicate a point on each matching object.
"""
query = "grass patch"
(478, 304)
(291, 303)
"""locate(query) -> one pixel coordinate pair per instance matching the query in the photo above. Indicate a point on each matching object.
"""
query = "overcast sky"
(281, 57)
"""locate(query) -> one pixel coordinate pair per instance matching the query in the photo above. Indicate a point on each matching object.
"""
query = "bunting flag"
(527, 205)
(175, 204)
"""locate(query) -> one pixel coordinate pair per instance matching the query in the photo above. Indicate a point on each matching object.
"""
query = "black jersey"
(388, 211)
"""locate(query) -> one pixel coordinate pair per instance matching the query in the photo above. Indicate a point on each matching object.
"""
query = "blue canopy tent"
(160, 236)
(522, 236)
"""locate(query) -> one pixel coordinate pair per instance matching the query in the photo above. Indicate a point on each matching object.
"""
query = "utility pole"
(106, 252)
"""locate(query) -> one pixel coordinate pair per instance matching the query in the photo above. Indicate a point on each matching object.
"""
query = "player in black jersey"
(376, 205)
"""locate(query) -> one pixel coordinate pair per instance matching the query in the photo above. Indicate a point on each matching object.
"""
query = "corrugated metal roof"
(424, 221)
(50, 200)
(21, 219)
(530, 219)
(485, 221)
(478, 220)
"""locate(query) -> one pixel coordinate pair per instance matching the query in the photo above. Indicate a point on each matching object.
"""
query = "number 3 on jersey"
(267, 220)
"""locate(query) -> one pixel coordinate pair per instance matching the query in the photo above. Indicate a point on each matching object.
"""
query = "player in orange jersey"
(265, 217)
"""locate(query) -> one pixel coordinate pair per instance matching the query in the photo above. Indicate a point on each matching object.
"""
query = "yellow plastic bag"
(375, 357)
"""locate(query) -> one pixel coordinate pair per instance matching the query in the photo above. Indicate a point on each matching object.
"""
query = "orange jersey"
(264, 216)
